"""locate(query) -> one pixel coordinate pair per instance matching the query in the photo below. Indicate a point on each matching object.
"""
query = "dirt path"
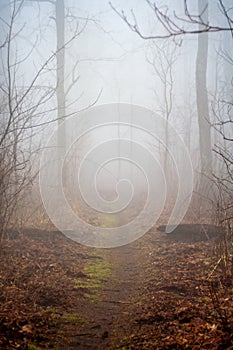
(107, 316)
(151, 294)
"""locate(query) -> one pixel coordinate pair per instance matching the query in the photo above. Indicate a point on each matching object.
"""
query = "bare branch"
(173, 28)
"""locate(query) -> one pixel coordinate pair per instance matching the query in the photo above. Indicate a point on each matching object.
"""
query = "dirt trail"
(151, 294)
(108, 318)
(155, 286)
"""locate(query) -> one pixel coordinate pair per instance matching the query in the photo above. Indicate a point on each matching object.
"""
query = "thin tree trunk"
(61, 96)
(202, 100)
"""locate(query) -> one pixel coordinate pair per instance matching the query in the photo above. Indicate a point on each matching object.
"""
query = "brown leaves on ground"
(181, 308)
(161, 295)
(36, 278)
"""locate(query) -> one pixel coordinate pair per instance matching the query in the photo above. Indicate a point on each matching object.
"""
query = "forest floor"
(160, 292)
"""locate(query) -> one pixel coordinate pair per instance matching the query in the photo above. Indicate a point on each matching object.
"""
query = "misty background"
(101, 60)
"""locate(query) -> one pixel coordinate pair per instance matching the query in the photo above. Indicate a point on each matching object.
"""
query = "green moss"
(73, 318)
(93, 298)
(96, 271)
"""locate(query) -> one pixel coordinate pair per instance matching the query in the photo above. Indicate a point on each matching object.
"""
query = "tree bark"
(202, 99)
(61, 96)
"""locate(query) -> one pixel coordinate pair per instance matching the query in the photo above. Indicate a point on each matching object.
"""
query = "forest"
(116, 174)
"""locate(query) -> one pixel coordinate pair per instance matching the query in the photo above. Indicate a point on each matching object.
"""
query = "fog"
(116, 174)
(103, 62)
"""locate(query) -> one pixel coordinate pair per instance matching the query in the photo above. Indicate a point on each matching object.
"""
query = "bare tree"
(20, 109)
(171, 25)
(61, 93)
(61, 96)
(202, 99)
(161, 58)
(25, 105)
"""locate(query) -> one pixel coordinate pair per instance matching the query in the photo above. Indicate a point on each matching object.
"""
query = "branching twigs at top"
(173, 26)
(227, 158)
(29, 88)
(225, 12)
(218, 126)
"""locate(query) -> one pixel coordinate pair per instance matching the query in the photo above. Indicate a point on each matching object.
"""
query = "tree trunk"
(61, 96)
(202, 101)
(4, 36)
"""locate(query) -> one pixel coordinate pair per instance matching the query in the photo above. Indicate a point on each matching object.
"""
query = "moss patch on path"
(95, 273)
